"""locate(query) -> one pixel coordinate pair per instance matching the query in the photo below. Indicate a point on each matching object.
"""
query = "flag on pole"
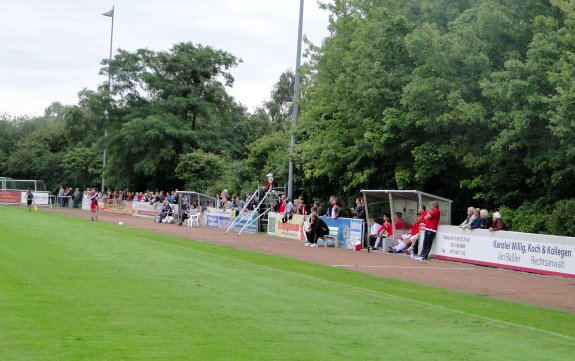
(109, 13)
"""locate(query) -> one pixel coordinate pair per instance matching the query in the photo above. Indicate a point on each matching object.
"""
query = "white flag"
(109, 13)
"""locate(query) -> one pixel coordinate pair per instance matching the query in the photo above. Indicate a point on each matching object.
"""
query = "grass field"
(71, 289)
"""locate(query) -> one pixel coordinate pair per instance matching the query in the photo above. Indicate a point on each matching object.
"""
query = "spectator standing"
(335, 209)
(275, 205)
(359, 211)
(484, 220)
(476, 223)
(302, 207)
(329, 207)
(497, 224)
(470, 218)
(61, 196)
(282, 207)
(77, 197)
(241, 204)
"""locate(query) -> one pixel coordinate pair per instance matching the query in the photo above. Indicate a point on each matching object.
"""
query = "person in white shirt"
(373, 228)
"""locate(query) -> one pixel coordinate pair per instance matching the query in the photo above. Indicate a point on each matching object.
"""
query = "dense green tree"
(185, 81)
(359, 72)
(39, 152)
(200, 170)
(170, 103)
(83, 166)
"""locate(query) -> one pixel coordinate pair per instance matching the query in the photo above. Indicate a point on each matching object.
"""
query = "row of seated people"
(479, 219)
(407, 242)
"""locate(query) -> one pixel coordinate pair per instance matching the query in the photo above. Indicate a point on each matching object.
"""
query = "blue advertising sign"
(350, 230)
(253, 226)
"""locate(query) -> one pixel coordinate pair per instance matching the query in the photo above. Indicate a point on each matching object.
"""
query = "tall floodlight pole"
(106, 114)
(295, 112)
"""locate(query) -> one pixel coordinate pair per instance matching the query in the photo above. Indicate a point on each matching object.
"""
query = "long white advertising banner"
(40, 198)
(536, 253)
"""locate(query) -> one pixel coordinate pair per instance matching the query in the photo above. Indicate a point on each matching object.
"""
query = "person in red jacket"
(431, 223)
(408, 239)
(385, 231)
(497, 224)
(94, 204)
(413, 249)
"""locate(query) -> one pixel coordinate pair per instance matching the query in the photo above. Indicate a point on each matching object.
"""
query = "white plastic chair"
(193, 219)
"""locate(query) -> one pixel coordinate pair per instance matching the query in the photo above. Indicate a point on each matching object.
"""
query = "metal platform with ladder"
(256, 210)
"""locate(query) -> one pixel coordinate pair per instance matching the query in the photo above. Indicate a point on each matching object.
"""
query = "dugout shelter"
(380, 202)
(200, 199)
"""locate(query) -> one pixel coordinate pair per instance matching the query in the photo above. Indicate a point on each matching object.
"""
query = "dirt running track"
(546, 291)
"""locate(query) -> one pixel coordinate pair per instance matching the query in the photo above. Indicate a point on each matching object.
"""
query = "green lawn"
(71, 289)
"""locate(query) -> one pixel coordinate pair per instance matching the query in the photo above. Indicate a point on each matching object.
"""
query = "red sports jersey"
(433, 222)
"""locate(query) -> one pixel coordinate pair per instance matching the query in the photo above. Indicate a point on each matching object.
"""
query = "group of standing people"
(69, 197)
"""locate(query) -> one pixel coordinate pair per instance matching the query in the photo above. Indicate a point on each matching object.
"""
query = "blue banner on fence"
(252, 227)
(350, 230)
(220, 218)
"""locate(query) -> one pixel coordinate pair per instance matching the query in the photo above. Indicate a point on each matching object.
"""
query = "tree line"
(472, 100)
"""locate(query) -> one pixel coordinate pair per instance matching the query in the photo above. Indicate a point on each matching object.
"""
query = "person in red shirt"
(431, 223)
(408, 239)
(385, 231)
(413, 249)
(282, 207)
(94, 204)
(398, 218)
(272, 183)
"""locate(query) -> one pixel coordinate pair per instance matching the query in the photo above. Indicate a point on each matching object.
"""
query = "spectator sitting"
(184, 212)
(398, 218)
(166, 212)
(408, 239)
(289, 210)
(272, 183)
(385, 231)
(374, 228)
(470, 218)
(317, 229)
(413, 248)
(497, 224)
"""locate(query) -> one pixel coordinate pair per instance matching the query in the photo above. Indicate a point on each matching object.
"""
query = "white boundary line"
(377, 293)
(406, 267)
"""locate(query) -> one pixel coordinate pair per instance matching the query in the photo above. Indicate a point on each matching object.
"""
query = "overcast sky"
(50, 50)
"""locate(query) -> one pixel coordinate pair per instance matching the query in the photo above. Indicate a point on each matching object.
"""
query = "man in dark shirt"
(317, 229)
